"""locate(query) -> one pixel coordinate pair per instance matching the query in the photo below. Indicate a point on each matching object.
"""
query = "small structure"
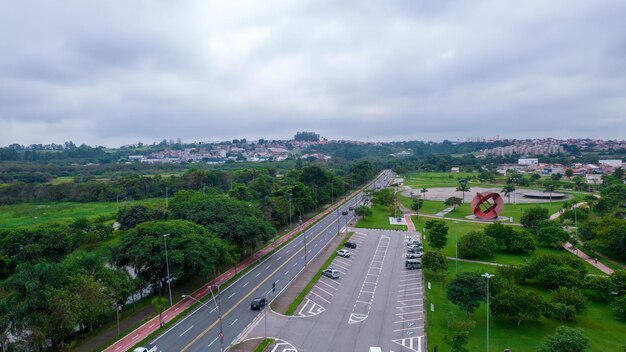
(487, 206)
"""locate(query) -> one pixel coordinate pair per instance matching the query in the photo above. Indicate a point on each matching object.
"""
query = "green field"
(603, 330)
(379, 220)
(23, 214)
(459, 228)
(419, 180)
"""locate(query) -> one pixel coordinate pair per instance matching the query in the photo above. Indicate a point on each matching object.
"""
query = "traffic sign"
(220, 335)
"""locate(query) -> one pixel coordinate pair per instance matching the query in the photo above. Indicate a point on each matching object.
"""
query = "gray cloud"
(120, 72)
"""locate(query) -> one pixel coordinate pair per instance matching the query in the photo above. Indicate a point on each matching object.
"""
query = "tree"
(160, 304)
(549, 187)
(518, 304)
(552, 235)
(533, 216)
(137, 214)
(437, 233)
(569, 173)
(520, 242)
(463, 187)
(508, 189)
(383, 197)
(434, 261)
(192, 250)
(602, 286)
(509, 273)
(417, 204)
(467, 290)
(571, 296)
(423, 192)
(453, 202)
(475, 244)
(618, 279)
(579, 182)
(363, 211)
(459, 334)
(500, 232)
(565, 339)
(618, 306)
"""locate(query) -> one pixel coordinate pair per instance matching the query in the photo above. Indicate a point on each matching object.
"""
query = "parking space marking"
(335, 264)
(323, 299)
(404, 321)
(283, 346)
(411, 306)
(310, 308)
(323, 282)
(411, 279)
(410, 344)
(409, 300)
(361, 314)
(410, 294)
(321, 289)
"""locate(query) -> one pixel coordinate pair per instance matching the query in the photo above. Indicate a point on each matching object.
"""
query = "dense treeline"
(56, 278)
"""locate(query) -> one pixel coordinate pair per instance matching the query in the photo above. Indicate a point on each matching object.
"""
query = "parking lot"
(375, 301)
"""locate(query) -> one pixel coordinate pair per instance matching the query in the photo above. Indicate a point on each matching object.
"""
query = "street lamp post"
(456, 248)
(167, 265)
(217, 306)
(304, 234)
(488, 276)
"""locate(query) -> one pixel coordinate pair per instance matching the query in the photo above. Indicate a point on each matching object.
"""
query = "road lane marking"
(212, 342)
(231, 295)
(233, 323)
(257, 275)
(246, 284)
(247, 295)
(184, 332)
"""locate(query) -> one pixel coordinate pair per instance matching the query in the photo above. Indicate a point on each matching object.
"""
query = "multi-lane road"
(201, 330)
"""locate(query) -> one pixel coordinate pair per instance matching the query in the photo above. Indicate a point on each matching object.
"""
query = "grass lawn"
(22, 214)
(379, 220)
(605, 332)
(459, 228)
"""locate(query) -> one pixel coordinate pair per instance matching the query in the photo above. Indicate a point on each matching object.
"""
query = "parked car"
(414, 242)
(414, 255)
(415, 246)
(343, 253)
(258, 303)
(350, 244)
(331, 273)
(415, 250)
(412, 264)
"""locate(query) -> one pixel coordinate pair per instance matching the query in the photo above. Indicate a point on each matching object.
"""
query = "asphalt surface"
(376, 302)
(230, 312)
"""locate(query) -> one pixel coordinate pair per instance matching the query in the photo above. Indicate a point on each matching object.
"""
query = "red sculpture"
(487, 206)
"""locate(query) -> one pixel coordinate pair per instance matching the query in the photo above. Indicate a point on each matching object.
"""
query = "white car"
(343, 253)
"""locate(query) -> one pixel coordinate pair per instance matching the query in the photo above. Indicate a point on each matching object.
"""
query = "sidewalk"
(134, 337)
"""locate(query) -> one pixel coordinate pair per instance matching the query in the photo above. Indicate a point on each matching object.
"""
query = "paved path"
(444, 212)
(134, 337)
(476, 261)
(577, 252)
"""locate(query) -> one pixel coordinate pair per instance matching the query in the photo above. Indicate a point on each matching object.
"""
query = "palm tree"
(549, 187)
(423, 192)
(507, 190)
(159, 304)
(463, 188)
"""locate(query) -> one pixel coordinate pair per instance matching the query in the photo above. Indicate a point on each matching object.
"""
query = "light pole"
(456, 247)
(117, 315)
(304, 234)
(221, 333)
(488, 276)
(219, 313)
(167, 265)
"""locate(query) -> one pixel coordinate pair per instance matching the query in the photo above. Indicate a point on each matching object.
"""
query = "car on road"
(343, 253)
(350, 244)
(331, 273)
(143, 349)
(258, 303)
(351, 208)
(414, 255)
(345, 212)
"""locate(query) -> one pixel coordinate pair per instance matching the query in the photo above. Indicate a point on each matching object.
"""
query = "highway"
(200, 330)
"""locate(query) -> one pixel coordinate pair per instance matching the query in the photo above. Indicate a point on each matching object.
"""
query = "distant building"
(455, 169)
(612, 162)
(530, 161)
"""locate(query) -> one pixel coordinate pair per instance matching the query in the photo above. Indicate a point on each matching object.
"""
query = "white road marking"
(324, 299)
(184, 332)
(232, 294)
(212, 342)
(246, 284)
(233, 323)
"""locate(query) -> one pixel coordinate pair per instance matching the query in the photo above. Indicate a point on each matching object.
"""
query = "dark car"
(257, 303)
(345, 212)
(350, 244)
(351, 208)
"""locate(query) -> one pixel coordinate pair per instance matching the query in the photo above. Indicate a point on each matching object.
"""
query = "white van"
(375, 349)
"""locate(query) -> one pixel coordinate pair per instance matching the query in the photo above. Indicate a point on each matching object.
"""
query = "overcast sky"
(114, 72)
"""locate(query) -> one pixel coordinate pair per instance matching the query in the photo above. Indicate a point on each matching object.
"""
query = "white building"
(614, 163)
(530, 161)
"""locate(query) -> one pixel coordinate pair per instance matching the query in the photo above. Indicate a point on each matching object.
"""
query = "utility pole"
(488, 276)
(167, 264)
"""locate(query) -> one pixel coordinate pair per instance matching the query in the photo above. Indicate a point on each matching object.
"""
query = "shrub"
(476, 244)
